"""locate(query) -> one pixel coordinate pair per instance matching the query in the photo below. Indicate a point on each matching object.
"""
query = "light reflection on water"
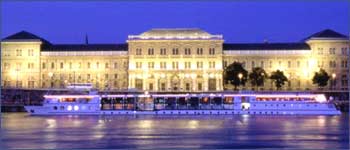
(131, 132)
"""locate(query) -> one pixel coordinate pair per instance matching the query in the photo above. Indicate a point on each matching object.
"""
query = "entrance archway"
(175, 83)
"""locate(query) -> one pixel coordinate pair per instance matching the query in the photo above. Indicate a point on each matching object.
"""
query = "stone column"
(156, 79)
(168, 82)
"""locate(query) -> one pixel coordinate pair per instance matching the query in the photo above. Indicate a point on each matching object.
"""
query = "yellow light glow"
(334, 75)
(162, 75)
(240, 75)
(212, 76)
(13, 74)
(312, 62)
(193, 75)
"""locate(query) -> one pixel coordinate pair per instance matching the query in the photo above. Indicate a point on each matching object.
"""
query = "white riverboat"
(186, 103)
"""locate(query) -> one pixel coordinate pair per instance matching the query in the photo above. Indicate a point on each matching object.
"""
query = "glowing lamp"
(76, 108)
(69, 108)
(240, 75)
(334, 75)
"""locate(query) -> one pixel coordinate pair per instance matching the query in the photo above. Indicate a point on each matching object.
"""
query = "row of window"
(31, 84)
(175, 65)
(162, 86)
(80, 76)
(332, 51)
(19, 52)
(79, 65)
(163, 65)
(332, 64)
(175, 51)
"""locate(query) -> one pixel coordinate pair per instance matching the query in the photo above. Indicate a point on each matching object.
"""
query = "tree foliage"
(321, 78)
(278, 78)
(232, 72)
(257, 76)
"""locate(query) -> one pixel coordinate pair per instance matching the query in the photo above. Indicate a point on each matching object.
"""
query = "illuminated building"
(169, 60)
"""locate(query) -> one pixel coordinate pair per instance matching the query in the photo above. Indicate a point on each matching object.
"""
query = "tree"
(257, 76)
(235, 74)
(278, 78)
(321, 78)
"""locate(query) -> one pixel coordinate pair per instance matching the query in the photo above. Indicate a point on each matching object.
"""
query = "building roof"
(24, 35)
(175, 33)
(266, 46)
(86, 47)
(327, 33)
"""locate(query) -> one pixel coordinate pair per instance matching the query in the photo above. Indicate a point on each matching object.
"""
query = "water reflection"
(132, 132)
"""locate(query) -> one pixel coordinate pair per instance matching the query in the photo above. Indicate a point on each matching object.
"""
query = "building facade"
(170, 60)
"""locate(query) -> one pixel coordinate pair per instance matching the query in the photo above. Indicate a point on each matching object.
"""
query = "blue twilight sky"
(112, 21)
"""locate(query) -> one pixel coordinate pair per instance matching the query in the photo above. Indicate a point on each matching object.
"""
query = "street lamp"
(333, 80)
(240, 76)
(15, 73)
(65, 82)
(51, 75)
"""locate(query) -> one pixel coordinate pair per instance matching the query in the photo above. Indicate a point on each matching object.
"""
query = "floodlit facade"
(169, 60)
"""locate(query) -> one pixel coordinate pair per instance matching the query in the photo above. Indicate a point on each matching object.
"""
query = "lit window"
(151, 65)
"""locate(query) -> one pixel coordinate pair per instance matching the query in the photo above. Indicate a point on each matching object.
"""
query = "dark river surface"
(20, 130)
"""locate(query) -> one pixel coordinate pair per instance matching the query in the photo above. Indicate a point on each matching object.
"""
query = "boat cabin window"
(130, 100)
(182, 101)
(159, 100)
(61, 107)
(105, 100)
(118, 100)
(228, 100)
(204, 100)
(244, 99)
(216, 100)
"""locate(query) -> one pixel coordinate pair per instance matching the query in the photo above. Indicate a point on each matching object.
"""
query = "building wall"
(333, 56)
(25, 65)
(298, 65)
(105, 69)
(20, 64)
(179, 71)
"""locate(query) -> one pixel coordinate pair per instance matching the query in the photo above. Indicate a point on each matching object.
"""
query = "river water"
(19, 130)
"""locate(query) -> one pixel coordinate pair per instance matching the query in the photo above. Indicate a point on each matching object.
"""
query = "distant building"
(169, 60)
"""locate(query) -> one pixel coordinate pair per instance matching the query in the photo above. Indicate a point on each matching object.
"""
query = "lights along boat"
(183, 104)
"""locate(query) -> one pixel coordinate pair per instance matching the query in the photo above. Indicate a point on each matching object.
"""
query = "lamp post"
(50, 75)
(15, 73)
(240, 76)
(333, 80)
(65, 83)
